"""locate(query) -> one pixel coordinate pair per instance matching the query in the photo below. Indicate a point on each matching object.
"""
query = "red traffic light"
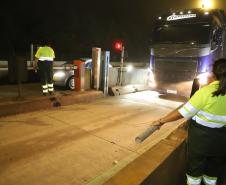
(118, 45)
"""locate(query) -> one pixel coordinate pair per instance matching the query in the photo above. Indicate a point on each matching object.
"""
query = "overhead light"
(189, 11)
(206, 13)
(159, 18)
(181, 13)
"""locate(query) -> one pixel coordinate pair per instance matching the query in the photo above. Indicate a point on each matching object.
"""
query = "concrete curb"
(155, 167)
(41, 103)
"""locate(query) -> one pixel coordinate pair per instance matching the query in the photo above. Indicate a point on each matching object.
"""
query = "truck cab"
(184, 46)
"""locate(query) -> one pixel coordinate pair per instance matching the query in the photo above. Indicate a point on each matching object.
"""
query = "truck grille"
(174, 70)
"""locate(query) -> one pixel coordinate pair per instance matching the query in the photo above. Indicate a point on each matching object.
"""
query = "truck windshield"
(182, 33)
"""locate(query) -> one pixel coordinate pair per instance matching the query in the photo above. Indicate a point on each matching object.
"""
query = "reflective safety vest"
(205, 109)
(45, 53)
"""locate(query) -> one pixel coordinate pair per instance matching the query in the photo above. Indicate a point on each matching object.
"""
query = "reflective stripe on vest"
(46, 58)
(188, 111)
(202, 117)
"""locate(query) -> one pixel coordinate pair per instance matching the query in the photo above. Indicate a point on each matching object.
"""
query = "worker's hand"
(35, 65)
(158, 123)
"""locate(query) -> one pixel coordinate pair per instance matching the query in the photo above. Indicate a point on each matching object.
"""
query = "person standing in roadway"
(44, 61)
(206, 112)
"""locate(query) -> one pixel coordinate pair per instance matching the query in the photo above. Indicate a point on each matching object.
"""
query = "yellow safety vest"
(45, 53)
(205, 109)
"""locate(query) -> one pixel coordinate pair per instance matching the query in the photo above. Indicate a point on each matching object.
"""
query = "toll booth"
(104, 72)
(100, 69)
(96, 57)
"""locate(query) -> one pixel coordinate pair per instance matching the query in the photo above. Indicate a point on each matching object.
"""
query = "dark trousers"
(46, 72)
(200, 164)
(206, 150)
(46, 76)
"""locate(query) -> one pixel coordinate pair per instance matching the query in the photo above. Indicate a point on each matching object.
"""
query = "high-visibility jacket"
(45, 53)
(205, 109)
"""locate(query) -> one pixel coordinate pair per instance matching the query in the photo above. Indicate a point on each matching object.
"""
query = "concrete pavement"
(85, 143)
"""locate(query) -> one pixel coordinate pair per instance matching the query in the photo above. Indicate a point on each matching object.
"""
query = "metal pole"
(32, 53)
(121, 66)
(18, 63)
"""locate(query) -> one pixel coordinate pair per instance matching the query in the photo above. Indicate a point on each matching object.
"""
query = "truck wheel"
(195, 87)
(70, 83)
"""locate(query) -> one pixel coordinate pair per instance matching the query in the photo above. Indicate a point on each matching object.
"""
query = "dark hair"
(45, 42)
(219, 70)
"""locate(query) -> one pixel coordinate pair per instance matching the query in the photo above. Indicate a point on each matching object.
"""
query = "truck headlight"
(203, 78)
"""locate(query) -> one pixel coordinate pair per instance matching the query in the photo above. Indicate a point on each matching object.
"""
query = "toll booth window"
(183, 33)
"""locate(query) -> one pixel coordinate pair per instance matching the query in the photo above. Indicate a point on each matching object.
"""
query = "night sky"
(74, 27)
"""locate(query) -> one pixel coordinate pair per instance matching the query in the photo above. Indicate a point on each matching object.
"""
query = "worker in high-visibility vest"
(44, 62)
(206, 111)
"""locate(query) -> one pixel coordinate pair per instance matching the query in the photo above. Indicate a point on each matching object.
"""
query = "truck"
(184, 46)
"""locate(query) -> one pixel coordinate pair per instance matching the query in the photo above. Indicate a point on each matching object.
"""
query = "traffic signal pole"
(121, 65)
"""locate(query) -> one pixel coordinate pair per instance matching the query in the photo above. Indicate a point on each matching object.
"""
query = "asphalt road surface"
(79, 144)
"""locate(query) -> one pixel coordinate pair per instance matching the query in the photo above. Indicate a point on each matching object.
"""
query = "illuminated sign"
(177, 17)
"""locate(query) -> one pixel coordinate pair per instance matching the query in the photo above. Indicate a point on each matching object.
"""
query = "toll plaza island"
(85, 138)
(87, 135)
(81, 136)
